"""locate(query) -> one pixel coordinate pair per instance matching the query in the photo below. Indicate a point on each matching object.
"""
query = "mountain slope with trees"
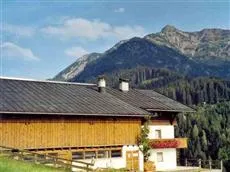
(187, 90)
(208, 131)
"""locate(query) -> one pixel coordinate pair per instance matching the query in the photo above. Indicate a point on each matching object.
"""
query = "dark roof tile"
(149, 99)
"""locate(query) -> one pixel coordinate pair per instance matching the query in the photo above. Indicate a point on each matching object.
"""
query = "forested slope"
(208, 131)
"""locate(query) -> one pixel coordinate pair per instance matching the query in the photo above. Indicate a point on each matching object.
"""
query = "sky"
(41, 38)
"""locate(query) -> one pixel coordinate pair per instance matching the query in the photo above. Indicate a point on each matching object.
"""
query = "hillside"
(190, 91)
(208, 131)
(198, 90)
(203, 53)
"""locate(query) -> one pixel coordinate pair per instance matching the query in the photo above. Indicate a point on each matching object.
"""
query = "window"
(157, 134)
(97, 153)
(115, 153)
(77, 155)
(90, 155)
(160, 157)
(102, 154)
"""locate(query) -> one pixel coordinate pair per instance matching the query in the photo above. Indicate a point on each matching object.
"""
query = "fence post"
(210, 164)
(186, 162)
(55, 162)
(221, 165)
(199, 161)
(35, 158)
(19, 155)
(87, 167)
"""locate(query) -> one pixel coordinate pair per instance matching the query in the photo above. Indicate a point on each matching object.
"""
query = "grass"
(114, 170)
(10, 165)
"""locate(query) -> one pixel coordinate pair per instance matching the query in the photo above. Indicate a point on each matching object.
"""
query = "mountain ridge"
(166, 49)
(207, 42)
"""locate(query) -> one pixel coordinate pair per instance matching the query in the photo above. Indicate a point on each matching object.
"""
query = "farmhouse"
(87, 121)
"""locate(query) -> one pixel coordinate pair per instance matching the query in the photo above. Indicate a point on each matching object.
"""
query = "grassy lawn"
(114, 170)
(9, 165)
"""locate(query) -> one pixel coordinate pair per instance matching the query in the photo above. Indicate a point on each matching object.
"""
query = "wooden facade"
(61, 132)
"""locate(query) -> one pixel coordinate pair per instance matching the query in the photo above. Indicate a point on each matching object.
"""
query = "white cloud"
(10, 49)
(92, 30)
(18, 30)
(76, 52)
(79, 27)
(125, 32)
(119, 10)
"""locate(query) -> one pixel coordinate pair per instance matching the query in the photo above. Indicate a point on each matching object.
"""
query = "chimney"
(124, 85)
(101, 84)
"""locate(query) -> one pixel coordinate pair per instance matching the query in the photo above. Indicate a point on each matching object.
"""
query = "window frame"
(107, 154)
(158, 133)
(80, 152)
(162, 156)
(120, 152)
(90, 157)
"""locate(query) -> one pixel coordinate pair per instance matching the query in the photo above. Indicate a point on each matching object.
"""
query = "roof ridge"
(46, 81)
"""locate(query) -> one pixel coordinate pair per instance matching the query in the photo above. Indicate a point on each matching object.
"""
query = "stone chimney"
(101, 84)
(124, 85)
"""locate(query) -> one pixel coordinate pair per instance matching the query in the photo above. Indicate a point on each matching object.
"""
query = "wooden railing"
(206, 164)
(169, 143)
(202, 164)
(48, 160)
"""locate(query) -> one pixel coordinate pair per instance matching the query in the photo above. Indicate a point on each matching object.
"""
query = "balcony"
(169, 143)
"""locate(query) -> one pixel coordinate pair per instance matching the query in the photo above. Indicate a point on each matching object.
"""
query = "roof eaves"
(76, 114)
(189, 109)
(171, 110)
(47, 81)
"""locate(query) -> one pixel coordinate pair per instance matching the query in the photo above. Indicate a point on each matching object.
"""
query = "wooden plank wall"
(52, 133)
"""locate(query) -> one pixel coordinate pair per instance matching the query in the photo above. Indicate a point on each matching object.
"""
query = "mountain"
(77, 67)
(203, 53)
(202, 45)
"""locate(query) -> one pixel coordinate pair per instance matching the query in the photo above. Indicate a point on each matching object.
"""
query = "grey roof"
(37, 97)
(172, 104)
(149, 100)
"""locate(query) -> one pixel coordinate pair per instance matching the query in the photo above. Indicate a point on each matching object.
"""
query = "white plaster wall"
(169, 154)
(169, 158)
(104, 163)
(167, 131)
(116, 163)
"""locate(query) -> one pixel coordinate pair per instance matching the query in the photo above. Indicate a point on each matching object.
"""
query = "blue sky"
(41, 38)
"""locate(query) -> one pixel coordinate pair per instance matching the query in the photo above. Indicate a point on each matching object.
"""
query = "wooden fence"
(205, 164)
(48, 160)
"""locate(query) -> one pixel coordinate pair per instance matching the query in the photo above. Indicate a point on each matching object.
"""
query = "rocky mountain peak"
(168, 28)
(205, 44)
